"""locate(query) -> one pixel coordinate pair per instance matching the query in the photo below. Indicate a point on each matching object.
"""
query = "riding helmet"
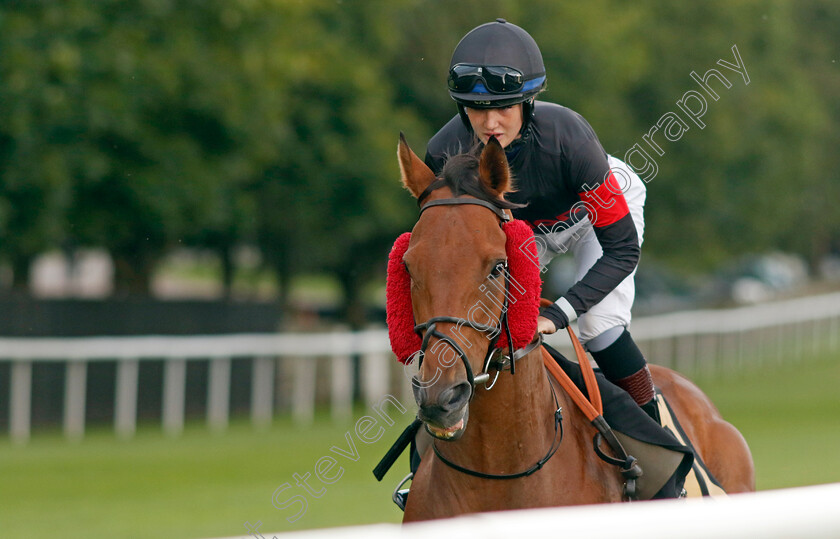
(497, 44)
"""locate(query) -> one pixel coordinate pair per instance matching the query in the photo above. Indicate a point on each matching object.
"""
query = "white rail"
(803, 513)
(692, 342)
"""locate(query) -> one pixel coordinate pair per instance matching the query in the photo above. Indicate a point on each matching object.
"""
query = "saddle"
(665, 461)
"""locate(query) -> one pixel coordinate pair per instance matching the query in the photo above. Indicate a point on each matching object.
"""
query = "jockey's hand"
(551, 319)
(546, 326)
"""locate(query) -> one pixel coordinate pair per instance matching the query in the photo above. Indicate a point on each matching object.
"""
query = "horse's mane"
(460, 173)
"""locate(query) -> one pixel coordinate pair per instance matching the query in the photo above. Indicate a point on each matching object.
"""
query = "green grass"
(790, 416)
(205, 485)
(199, 485)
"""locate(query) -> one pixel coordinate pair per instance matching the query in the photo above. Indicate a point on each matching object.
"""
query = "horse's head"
(457, 261)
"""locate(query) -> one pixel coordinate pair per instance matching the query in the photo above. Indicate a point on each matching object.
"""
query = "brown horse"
(453, 254)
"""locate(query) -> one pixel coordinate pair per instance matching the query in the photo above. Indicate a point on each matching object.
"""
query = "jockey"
(577, 197)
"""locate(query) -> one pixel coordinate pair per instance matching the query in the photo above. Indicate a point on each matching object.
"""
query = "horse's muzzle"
(444, 412)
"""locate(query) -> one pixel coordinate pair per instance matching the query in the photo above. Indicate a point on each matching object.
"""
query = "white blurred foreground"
(802, 513)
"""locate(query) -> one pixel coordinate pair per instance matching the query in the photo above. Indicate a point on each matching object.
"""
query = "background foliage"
(143, 126)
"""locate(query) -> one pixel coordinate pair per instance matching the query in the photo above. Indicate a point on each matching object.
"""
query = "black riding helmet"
(495, 65)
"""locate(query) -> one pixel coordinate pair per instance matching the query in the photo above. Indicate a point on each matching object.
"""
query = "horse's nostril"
(455, 397)
(419, 391)
(438, 405)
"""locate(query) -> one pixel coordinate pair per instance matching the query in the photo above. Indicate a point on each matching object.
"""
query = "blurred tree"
(35, 125)
(816, 59)
(140, 126)
(738, 184)
(127, 123)
(332, 198)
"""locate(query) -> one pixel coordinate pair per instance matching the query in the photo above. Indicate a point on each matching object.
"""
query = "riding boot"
(624, 365)
(640, 386)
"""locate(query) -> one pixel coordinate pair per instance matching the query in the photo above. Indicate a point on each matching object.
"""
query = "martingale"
(523, 294)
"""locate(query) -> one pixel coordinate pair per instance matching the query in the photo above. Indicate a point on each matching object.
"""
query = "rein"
(555, 445)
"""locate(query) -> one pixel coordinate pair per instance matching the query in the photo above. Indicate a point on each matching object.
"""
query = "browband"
(437, 184)
(500, 213)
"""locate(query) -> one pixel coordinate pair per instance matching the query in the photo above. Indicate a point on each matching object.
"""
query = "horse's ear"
(415, 175)
(493, 168)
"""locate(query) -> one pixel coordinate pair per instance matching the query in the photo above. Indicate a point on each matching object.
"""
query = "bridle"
(495, 332)
(430, 329)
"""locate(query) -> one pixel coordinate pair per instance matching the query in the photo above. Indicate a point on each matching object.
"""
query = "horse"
(456, 259)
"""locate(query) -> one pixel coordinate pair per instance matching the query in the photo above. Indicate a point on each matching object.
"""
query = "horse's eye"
(498, 269)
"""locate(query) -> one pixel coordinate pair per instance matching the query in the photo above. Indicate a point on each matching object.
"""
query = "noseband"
(430, 325)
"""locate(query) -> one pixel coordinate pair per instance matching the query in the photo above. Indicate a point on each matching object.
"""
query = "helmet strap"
(527, 114)
(462, 112)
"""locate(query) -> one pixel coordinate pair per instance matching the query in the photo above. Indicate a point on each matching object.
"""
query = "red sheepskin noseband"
(523, 293)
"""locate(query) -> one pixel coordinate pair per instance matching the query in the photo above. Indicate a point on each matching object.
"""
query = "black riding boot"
(624, 365)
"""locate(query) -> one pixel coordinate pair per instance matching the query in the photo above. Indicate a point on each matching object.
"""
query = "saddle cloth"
(643, 438)
(699, 481)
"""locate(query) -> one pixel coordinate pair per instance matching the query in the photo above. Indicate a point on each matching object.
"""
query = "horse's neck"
(511, 424)
(510, 429)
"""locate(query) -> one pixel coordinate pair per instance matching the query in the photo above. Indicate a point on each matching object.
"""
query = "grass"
(206, 485)
(199, 485)
(790, 416)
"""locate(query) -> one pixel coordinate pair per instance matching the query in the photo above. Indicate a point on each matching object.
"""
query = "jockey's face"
(503, 123)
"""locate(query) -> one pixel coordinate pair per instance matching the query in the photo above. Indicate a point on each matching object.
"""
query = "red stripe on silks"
(606, 203)
(548, 222)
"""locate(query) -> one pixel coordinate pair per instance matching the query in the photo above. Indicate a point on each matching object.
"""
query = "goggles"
(496, 79)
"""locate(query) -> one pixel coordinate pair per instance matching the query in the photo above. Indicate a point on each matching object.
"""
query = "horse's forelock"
(461, 175)
(460, 171)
